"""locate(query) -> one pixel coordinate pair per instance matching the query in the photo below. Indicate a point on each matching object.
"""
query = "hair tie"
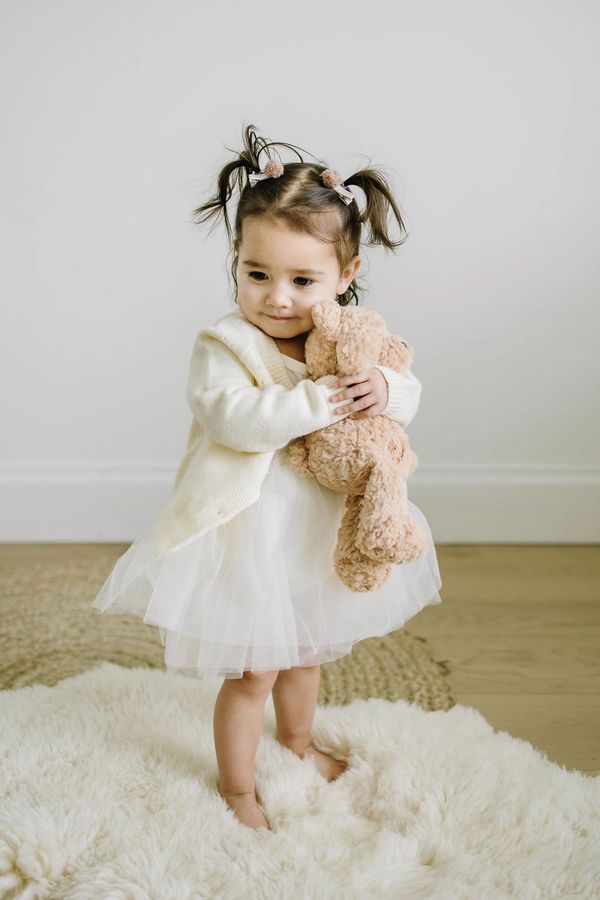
(273, 169)
(332, 178)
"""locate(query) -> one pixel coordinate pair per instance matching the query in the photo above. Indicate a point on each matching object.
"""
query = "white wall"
(115, 120)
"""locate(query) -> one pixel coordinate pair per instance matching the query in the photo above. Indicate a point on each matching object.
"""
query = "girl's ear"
(348, 274)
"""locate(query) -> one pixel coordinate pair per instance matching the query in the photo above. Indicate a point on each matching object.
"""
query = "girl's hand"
(369, 389)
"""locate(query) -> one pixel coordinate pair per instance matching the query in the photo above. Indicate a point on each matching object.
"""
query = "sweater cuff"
(402, 386)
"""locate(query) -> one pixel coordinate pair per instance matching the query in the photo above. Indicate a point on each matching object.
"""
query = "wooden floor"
(520, 628)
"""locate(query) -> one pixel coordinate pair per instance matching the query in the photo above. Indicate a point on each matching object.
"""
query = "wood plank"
(487, 663)
(560, 728)
(513, 617)
(12, 554)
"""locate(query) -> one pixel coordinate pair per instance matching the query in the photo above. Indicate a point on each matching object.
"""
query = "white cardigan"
(245, 407)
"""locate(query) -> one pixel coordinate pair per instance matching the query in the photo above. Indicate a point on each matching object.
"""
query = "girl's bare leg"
(237, 722)
(295, 698)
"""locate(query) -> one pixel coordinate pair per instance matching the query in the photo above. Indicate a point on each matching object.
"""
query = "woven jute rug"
(49, 631)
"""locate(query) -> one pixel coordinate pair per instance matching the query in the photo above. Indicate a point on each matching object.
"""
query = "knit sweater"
(245, 407)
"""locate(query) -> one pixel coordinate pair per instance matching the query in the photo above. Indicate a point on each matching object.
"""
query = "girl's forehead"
(264, 241)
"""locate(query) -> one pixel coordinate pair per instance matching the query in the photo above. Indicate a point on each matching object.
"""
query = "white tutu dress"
(259, 592)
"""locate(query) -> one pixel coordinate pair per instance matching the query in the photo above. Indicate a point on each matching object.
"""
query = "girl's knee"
(260, 680)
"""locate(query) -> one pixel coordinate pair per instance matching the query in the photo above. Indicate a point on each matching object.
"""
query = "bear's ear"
(396, 353)
(327, 315)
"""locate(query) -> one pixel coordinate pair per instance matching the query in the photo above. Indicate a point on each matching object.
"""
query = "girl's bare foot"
(246, 809)
(329, 767)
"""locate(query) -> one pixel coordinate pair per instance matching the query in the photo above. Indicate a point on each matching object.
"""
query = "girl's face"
(281, 274)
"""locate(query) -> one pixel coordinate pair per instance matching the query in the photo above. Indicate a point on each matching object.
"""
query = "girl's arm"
(404, 395)
(240, 415)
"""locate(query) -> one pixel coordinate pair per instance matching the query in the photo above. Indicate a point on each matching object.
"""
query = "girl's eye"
(307, 281)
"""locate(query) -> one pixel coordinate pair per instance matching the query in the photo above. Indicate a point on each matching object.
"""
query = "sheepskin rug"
(109, 791)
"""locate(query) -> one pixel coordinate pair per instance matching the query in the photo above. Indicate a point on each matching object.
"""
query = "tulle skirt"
(259, 592)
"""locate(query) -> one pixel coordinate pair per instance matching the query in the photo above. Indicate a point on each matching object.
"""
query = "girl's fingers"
(360, 405)
(355, 384)
(350, 391)
(351, 379)
(351, 386)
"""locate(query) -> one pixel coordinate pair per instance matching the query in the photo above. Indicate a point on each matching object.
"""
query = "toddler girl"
(237, 571)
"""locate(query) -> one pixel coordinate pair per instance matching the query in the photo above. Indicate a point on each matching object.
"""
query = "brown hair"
(304, 203)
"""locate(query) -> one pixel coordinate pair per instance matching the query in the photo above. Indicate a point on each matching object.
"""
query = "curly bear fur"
(367, 459)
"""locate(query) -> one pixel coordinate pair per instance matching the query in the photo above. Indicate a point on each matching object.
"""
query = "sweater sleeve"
(404, 394)
(240, 415)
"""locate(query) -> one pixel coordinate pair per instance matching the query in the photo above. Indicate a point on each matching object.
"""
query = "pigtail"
(233, 172)
(380, 201)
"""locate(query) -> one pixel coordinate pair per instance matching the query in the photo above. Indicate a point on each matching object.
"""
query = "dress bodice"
(296, 370)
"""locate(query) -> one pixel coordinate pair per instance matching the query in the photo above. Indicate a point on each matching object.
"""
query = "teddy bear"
(368, 459)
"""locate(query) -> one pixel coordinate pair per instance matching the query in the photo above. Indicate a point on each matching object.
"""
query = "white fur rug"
(109, 791)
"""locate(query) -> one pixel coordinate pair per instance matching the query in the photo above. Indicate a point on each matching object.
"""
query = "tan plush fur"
(367, 459)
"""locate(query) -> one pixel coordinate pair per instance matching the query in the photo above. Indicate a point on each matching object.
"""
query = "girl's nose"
(278, 299)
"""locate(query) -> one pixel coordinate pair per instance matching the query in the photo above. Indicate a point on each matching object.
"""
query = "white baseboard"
(466, 503)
